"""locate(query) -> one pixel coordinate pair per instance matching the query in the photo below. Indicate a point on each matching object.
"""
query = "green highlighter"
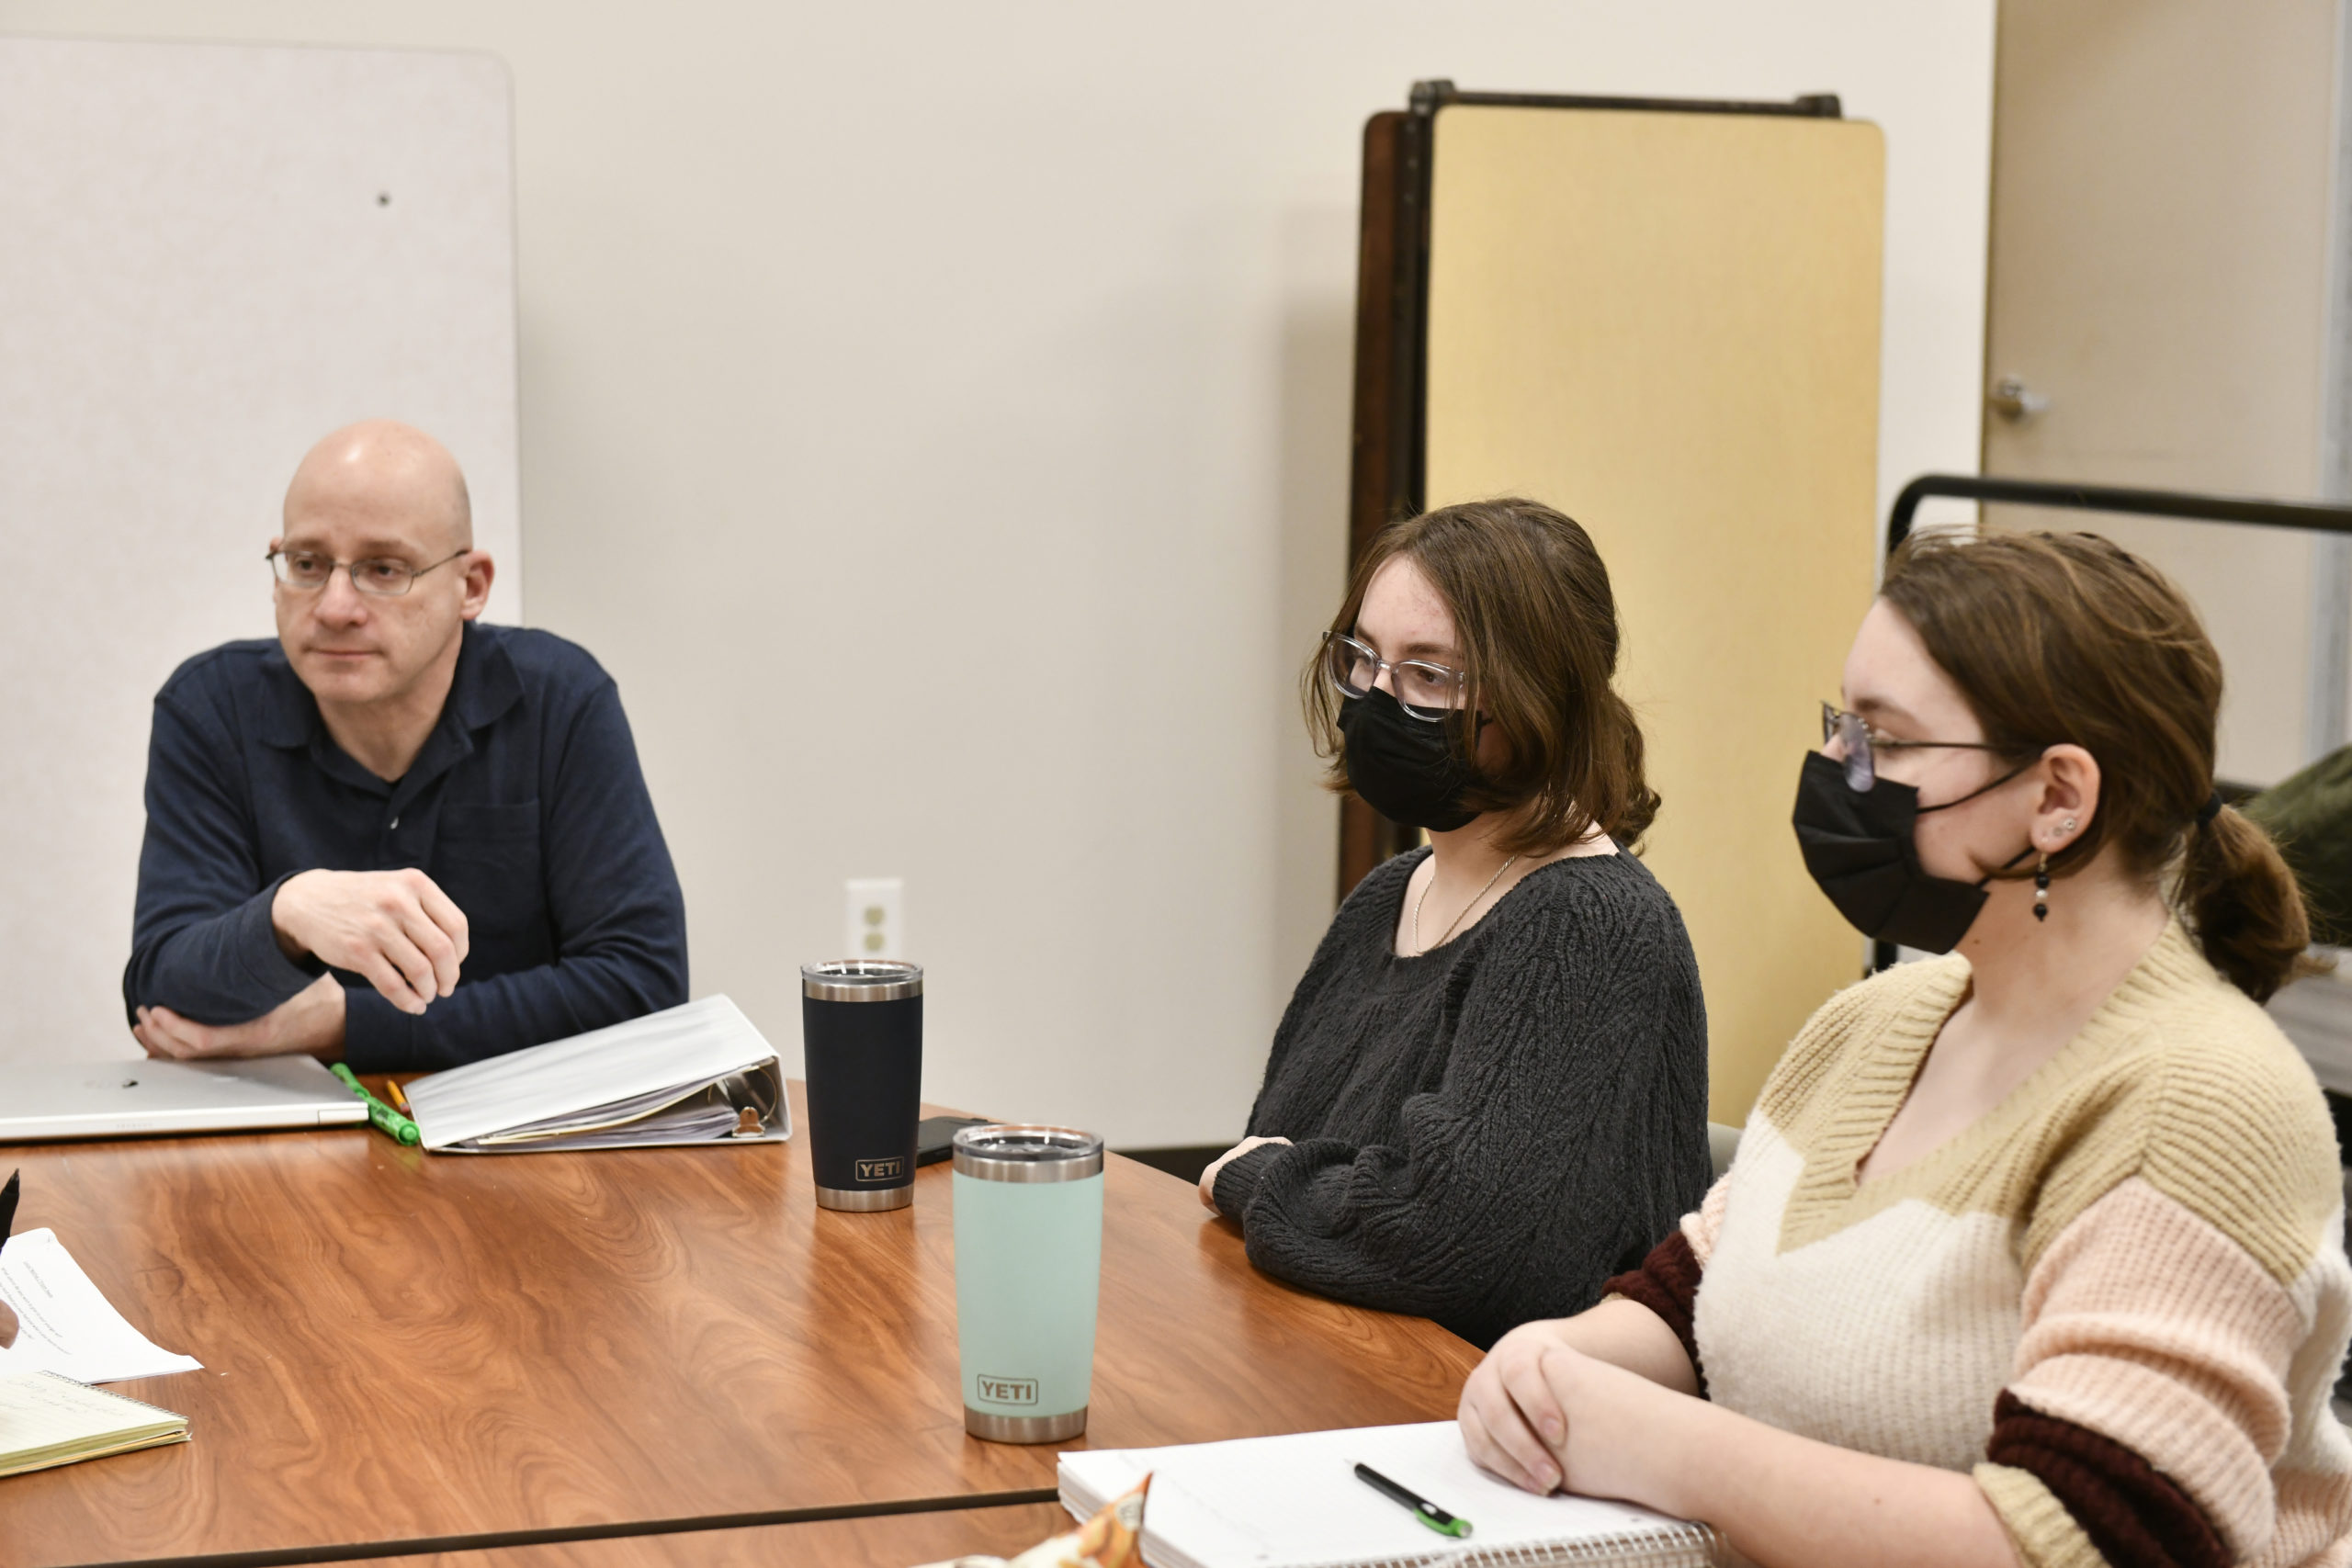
(388, 1121)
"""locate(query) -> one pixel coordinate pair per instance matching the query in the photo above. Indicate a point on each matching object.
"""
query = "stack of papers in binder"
(696, 1074)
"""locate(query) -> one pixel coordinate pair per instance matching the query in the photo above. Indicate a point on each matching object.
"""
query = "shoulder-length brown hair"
(1537, 628)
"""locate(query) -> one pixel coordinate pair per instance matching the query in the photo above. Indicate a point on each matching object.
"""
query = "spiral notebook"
(1294, 1502)
(48, 1420)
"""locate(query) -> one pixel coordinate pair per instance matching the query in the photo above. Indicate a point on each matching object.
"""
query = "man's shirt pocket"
(488, 860)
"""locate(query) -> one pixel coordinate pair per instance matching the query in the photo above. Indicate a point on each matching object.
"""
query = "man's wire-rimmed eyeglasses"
(307, 571)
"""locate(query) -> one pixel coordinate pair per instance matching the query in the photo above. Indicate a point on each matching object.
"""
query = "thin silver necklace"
(1417, 948)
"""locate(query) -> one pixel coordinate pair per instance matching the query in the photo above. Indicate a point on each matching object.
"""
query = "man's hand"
(310, 1021)
(1208, 1177)
(395, 928)
(7, 1326)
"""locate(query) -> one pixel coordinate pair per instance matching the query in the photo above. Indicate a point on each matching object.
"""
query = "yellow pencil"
(399, 1100)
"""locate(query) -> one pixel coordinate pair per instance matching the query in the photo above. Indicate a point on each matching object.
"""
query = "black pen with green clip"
(388, 1121)
(1428, 1513)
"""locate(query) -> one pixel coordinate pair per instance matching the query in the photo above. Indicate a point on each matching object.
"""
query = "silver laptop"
(134, 1098)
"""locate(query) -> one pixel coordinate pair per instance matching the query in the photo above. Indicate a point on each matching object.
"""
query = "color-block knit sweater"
(2120, 1299)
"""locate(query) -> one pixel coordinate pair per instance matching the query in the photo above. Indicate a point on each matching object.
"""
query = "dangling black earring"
(2041, 890)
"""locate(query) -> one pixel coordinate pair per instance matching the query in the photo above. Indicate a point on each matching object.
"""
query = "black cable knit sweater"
(1483, 1134)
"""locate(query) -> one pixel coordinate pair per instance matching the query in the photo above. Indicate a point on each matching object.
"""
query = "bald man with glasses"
(394, 836)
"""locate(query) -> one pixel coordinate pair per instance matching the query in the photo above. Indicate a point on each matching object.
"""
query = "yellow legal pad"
(47, 1420)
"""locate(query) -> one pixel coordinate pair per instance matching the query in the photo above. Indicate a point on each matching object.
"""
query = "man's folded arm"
(613, 901)
(201, 940)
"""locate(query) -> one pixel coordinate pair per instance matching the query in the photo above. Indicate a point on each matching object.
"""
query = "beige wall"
(936, 417)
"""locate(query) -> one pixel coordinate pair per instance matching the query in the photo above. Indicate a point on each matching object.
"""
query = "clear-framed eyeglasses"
(1423, 690)
(1850, 733)
(307, 571)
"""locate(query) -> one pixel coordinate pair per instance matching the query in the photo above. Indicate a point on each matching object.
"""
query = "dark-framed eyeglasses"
(307, 571)
(1425, 691)
(1852, 734)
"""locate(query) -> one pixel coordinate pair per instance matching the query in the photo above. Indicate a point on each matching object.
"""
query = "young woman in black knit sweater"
(1489, 1091)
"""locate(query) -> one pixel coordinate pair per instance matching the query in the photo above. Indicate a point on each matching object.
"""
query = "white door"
(2162, 229)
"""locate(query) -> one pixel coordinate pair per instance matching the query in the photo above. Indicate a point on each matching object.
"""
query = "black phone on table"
(936, 1136)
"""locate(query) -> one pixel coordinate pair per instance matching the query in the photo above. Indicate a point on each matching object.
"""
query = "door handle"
(2013, 400)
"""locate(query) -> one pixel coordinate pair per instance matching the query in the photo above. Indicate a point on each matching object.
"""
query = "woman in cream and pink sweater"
(2032, 1253)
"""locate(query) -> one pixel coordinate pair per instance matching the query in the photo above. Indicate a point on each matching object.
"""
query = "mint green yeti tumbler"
(1028, 1268)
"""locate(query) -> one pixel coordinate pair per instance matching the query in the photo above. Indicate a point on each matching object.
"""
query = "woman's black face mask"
(1859, 847)
(1405, 768)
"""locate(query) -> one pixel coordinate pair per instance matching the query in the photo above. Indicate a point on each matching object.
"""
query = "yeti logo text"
(880, 1169)
(1008, 1390)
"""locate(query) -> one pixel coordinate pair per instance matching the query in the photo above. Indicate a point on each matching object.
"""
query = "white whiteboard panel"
(209, 257)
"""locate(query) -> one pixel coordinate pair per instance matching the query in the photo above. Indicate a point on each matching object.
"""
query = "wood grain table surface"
(884, 1540)
(407, 1352)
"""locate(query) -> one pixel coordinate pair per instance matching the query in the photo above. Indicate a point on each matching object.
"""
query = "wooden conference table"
(569, 1361)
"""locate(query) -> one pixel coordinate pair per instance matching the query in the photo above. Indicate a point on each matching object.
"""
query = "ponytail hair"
(2245, 904)
(2065, 637)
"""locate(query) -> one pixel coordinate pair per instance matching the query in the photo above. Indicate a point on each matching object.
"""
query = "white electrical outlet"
(877, 919)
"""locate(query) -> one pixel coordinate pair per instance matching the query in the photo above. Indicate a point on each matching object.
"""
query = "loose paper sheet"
(64, 1324)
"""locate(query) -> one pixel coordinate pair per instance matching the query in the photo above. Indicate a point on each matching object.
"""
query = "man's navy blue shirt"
(526, 807)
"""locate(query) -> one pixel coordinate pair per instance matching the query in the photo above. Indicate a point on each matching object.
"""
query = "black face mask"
(1860, 848)
(1405, 768)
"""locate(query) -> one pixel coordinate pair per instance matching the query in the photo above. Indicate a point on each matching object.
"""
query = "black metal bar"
(1811, 106)
(343, 1552)
(2309, 516)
